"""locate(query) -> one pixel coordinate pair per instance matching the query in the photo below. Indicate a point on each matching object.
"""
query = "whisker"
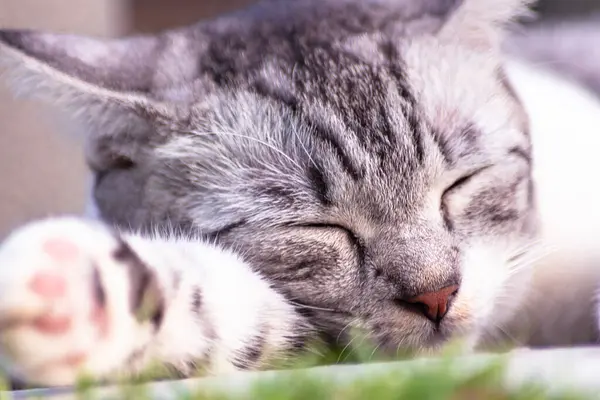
(270, 146)
(528, 260)
(364, 337)
(374, 351)
(507, 334)
(344, 349)
(525, 246)
(398, 350)
(312, 307)
(304, 148)
(337, 339)
(528, 254)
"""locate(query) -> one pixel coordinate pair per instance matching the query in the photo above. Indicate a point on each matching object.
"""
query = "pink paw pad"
(74, 360)
(54, 325)
(60, 250)
(48, 285)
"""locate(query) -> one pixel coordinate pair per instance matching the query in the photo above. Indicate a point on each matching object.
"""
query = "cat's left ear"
(106, 82)
(481, 24)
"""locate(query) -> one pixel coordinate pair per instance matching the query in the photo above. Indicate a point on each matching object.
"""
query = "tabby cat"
(296, 171)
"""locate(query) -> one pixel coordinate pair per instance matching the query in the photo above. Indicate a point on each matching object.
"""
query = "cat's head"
(368, 156)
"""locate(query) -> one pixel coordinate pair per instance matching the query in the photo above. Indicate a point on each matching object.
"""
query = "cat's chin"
(436, 345)
(446, 336)
(434, 340)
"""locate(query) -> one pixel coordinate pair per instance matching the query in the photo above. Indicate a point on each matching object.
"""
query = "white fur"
(565, 127)
(236, 304)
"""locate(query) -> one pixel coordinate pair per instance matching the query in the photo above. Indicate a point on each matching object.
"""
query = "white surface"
(557, 369)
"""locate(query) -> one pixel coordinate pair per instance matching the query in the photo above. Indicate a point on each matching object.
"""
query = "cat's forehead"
(468, 103)
(344, 55)
(280, 37)
(368, 121)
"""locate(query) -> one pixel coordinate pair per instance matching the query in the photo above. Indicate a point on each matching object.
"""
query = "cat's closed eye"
(353, 238)
(451, 190)
(500, 191)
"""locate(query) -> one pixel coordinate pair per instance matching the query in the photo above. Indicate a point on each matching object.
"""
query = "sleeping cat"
(297, 170)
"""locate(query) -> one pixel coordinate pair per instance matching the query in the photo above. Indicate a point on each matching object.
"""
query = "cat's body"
(370, 160)
(563, 118)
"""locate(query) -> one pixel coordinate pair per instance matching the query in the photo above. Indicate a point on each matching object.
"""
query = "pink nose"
(434, 305)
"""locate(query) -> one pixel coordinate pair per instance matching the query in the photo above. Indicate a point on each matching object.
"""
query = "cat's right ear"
(481, 24)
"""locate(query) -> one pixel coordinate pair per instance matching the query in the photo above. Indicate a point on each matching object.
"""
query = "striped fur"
(352, 154)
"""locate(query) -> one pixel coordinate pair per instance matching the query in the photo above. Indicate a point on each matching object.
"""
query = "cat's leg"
(76, 297)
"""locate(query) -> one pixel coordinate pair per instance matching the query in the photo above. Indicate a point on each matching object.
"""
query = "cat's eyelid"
(518, 151)
(354, 238)
(463, 178)
(321, 225)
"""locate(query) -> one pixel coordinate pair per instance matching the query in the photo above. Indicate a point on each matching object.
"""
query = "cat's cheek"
(460, 321)
(487, 284)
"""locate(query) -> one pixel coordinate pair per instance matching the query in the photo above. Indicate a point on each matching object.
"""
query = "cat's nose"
(434, 305)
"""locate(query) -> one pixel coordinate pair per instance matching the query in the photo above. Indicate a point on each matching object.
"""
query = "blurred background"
(41, 171)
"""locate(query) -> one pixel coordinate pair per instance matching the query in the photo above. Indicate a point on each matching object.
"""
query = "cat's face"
(354, 158)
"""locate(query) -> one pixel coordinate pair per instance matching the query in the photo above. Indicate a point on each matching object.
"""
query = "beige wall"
(41, 172)
(152, 15)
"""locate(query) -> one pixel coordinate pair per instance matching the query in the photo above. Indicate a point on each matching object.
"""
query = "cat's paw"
(66, 297)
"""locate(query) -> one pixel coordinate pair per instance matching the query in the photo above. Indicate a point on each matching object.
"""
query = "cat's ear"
(106, 83)
(481, 24)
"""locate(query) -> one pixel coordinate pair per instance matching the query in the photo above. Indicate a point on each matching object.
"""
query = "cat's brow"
(521, 153)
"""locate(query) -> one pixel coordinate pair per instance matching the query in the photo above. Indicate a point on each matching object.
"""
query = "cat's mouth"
(425, 344)
(442, 336)
(407, 333)
(439, 336)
